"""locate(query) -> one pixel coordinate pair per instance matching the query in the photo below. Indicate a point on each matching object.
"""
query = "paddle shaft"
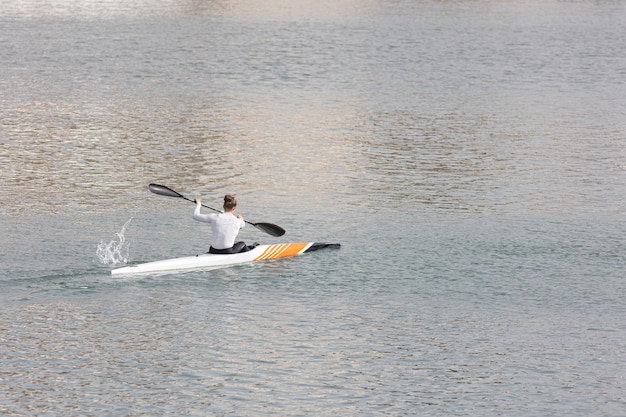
(269, 228)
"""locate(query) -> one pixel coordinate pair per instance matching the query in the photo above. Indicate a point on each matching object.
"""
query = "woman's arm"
(206, 218)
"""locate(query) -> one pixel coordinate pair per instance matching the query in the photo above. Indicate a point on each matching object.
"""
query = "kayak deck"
(209, 260)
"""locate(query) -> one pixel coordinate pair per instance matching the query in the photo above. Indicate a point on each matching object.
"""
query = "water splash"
(116, 251)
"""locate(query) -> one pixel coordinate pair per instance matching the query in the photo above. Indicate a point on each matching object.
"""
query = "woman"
(224, 227)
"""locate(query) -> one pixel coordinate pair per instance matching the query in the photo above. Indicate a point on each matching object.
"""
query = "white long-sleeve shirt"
(224, 227)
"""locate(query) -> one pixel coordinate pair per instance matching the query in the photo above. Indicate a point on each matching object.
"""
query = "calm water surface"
(469, 156)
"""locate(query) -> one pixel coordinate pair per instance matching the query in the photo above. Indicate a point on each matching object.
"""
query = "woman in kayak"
(224, 227)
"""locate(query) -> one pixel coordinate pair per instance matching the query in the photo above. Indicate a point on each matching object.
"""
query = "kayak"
(209, 260)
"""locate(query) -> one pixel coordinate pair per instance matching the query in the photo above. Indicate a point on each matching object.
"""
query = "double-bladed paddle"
(269, 228)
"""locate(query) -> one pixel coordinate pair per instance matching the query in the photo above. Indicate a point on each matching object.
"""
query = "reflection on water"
(443, 161)
(93, 9)
(370, 113)
(259, 10)
(468, 161)
(68, 156)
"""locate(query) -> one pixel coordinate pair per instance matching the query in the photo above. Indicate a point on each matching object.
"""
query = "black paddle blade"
(163, 190)
(270, 229)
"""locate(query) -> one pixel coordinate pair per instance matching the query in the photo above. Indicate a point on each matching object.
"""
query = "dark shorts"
(237, 248)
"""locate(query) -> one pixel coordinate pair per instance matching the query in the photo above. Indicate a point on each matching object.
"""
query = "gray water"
(469, 156)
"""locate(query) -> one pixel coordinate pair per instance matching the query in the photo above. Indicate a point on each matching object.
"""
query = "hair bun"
(229, 202)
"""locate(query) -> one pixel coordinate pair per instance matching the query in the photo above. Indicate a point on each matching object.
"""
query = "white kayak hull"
(209, 261)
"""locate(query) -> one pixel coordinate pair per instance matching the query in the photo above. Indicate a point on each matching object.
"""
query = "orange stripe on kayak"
(282, 250)
(274, 251)
(271, 251)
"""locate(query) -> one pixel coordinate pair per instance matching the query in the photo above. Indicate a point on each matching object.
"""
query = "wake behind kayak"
(208, 260)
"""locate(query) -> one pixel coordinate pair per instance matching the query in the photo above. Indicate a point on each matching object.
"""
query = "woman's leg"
(240, 247)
